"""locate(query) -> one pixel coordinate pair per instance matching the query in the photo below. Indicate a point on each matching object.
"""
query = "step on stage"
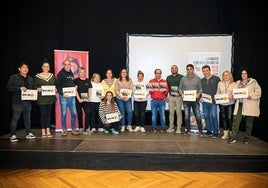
(134, 151)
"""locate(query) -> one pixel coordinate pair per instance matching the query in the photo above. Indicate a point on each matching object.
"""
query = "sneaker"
(129, 128)
(178, 131)
(143, 130)
(93, 130)
(87, 131)
(106, 131)
(64, 133)
(215, 135)
(201, 134)
(137, 128)
(75, 132)
(81, 130)
(13, 138)
(170, 130)
(187, 133)
(208, 134)
(123, 128)
(100, 129)
(163, 129)
(114, 131)
(153, 130)
(30, 136)
(232, 141)
(246, 140)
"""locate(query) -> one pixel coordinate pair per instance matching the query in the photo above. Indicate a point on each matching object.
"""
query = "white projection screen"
(149, 52)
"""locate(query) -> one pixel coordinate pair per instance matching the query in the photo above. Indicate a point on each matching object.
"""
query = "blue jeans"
(211, 117)
(196, 110)
(158, 105)
(125, 107)
(18, 108)
(68, 103)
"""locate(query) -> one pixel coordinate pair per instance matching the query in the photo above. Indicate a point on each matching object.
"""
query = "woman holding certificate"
(45, 84)
(109, 114)
(224, 97)
(97, 94)
(83, 93)
(124, 88)
(247, 105)
(140, 102)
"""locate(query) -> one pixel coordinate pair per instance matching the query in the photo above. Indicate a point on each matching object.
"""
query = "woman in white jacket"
(247, 108)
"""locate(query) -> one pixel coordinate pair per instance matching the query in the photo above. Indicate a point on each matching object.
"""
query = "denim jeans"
(210, 111)
(195, 106)
(125, 108)
(158, 105)
(68, 103)
(18, 108)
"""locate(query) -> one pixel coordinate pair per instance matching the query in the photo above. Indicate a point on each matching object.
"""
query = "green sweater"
(42, 81)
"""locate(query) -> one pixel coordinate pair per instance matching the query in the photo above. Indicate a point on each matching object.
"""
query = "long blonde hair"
(230, 76)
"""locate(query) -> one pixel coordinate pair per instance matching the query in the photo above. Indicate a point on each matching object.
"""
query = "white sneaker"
(30, 136)
(143, 130)
(170, 130)
(93, 130)
(81, 130)
(123, 128)
(13, 138)
(178, 131)
(100, 129)
(87, 131)
(137, 128)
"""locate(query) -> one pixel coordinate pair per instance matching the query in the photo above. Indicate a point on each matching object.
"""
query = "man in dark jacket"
(17, 84)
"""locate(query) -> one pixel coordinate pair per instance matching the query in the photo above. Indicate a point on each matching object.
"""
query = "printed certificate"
(140, 91)
(240, 93)
(84, 96)
(163, 86)
(99, 93)
(48, 90)
(112, 117)
(126, 92)
(221, 98)
(70, 91)
(139, 94)
(29, 94)
(189, 95)
(174, 90)
(207, 98)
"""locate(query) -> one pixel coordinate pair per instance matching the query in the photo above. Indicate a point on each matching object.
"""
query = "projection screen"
(148, 52)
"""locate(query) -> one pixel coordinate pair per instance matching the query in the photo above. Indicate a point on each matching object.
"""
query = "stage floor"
(156, 149)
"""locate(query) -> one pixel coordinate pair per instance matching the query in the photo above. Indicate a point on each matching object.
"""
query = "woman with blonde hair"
(226, 86)
(97, 94)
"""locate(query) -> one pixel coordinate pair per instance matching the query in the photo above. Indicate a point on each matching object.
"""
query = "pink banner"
(77, 59)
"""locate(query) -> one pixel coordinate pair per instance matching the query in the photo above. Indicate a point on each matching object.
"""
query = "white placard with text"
(189, 95)
(29, 94)
(48, 90)
(70, 91)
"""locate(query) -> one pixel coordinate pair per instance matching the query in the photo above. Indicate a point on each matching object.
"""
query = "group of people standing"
(95, 99)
